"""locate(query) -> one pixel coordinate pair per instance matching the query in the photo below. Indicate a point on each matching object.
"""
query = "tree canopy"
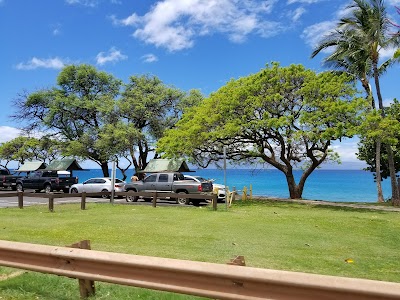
(284, 116)
(75, 111)
(23, 148)
(99, 118)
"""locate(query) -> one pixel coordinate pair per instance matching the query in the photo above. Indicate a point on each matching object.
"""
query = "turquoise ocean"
(328, 185)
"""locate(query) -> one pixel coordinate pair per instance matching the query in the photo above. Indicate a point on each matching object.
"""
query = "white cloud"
(393, 2)
(88, 3)
(112, 56)
(174, 24)
(303, 1)
(387, 53)
(297, 13)
(387, 102)
(132, 20)
(149, 58)
(35, 63)
(8, 133)
(347, 149)
(313, 34)
(56, 29)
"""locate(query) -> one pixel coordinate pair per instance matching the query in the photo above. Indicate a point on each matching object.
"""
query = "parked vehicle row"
(167, 182)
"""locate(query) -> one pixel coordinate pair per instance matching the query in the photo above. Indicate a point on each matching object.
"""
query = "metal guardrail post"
(21, 199)
(83, 201)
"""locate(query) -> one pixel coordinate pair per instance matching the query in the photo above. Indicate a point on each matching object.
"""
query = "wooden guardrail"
(83, 196)
(189, 277)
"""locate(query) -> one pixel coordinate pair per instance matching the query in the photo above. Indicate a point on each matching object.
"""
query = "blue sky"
(190, 44)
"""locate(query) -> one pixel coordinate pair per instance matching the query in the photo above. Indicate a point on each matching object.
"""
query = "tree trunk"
(104, 168)
(393, 179)
(295, 191)
(378, 170)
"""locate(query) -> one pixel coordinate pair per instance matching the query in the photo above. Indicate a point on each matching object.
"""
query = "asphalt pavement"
(7, 201)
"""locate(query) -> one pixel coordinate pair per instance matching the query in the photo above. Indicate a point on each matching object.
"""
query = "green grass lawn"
(273, 235)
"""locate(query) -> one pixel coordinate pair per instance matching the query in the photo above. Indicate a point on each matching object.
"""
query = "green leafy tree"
(15, 150)
(24, 148)
(357, 41)
(75, 111)
(387, 129)
(284, 116)
(146, 109)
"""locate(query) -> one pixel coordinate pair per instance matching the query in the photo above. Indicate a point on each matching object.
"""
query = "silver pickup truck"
(171, 182)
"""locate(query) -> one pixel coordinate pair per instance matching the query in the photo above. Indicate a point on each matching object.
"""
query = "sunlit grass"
(271, 235)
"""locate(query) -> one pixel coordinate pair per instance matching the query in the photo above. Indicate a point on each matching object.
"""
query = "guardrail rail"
(188, 277)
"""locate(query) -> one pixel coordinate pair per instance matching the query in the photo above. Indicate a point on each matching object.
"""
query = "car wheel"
(131, 198)
(74, 191)
(105, 196)
(182, 201)
(48, 189)
(19, 187)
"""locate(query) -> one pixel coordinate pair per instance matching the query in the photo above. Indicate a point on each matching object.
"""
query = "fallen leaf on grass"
(349, 260)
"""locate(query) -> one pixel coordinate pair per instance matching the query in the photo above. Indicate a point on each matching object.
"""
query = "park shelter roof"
(166, 165)
(31, 166)
(66, 164)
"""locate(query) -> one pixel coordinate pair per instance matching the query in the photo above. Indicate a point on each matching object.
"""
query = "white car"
(97, 185)
(220, 187)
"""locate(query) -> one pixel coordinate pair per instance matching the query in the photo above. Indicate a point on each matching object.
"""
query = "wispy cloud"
(175, 24)
(303, 1)
(313, 34)
(88, 3)
(56, 29)
(296, 14)
(112, 56)
(36, 63)
(149, 58)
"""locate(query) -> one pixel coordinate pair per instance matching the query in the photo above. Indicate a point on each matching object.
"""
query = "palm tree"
(358, 40)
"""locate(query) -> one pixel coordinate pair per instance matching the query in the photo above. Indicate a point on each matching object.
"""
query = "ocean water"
(329, 185)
